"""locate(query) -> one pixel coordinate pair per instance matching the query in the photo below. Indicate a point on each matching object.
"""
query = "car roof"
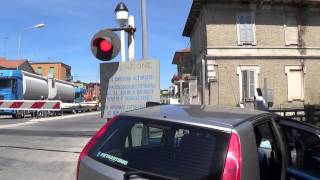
(201, 115)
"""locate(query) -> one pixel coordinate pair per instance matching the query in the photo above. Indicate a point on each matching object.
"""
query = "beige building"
(238, 47)
(59, 70)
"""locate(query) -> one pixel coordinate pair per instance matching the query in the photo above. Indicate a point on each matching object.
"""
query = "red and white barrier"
(30, 105)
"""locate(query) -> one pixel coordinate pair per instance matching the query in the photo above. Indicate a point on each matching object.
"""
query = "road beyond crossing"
(45, 148)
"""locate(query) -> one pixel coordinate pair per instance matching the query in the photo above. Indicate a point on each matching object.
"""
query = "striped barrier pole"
(30, 105)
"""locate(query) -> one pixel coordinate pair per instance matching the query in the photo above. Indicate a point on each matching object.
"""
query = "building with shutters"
(238, 46)
(57, 70)
(185, 85)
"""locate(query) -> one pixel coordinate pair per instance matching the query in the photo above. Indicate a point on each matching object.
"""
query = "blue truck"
(21, 85)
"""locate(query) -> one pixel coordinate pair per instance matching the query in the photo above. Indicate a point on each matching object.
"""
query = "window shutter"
(251, 84)
(291, 31)
(193, 91)
(295, 85)
(245, 28)
(244, 85)
(248, 84)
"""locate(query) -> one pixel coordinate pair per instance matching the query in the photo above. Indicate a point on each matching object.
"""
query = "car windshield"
(174, 150)
(5, 83)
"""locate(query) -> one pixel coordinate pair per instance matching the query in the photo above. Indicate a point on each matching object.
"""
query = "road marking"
(35, 121)
(39, 149)
(64, 117)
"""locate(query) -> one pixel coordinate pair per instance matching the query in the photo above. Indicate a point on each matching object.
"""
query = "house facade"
(57, 70)
(239, 47)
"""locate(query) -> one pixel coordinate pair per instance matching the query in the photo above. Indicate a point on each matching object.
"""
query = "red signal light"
(105, 45)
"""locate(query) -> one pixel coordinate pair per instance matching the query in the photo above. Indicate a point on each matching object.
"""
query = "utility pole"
(144, 29)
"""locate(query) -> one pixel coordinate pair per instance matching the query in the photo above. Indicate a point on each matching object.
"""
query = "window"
(248, 82)
(68, 75)
(5, 83)
(52, 71)
(141, 135)
(40, 70)
(269, 153)
(246, 29)
(291, 30)
(248, 86)
(295, 76)
(304, 151)
(175, 150)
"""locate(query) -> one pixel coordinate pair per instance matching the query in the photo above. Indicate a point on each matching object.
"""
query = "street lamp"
(122, 15)
(41, 25)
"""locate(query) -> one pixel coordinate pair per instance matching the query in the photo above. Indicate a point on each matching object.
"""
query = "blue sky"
(70, 26)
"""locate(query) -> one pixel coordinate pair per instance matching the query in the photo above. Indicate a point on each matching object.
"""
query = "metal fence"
(309, 114)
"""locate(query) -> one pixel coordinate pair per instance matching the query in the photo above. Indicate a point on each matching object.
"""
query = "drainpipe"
(203, 70)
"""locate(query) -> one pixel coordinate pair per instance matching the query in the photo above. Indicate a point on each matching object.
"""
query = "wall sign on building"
(128, 85)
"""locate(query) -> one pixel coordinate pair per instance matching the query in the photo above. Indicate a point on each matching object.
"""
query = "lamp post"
(41, 25)
(122, 15)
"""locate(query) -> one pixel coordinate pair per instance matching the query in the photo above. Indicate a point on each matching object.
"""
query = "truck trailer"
(21, 85)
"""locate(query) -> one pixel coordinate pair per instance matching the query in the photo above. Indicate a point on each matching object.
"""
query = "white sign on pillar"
(127, 86)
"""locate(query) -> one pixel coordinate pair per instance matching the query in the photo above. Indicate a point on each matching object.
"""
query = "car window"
(142, 135)
(304, 150)
(269, 153)
(175, 150)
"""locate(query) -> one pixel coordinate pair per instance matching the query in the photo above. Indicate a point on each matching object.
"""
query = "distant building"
(58, 70)
(93, 92)
(185, 84)
(80, 84)
(240, 47)
(165, 96)
(15, 64)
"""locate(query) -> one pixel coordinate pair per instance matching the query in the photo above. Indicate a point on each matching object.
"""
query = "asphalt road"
(8, 120)
(44, 149)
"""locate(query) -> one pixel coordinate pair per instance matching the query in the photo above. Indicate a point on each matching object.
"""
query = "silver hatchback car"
(201, 143)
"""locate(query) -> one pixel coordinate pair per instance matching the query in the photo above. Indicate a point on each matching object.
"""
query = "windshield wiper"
(128, 175)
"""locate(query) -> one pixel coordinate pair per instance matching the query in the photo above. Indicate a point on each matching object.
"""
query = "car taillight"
(93, 141)
(232, 166)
